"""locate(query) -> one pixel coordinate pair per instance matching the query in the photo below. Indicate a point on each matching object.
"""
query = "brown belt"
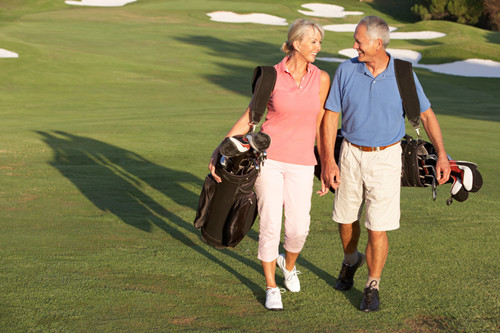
(363, 148)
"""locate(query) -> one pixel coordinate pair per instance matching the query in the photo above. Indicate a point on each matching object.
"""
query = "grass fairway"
(108, 119)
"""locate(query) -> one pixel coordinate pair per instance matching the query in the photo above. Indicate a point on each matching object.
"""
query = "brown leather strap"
(363, 148)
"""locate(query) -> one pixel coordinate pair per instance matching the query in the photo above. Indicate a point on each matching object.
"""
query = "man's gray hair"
(377, 28)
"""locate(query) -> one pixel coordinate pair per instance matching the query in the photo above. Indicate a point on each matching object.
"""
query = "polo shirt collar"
(387, 72)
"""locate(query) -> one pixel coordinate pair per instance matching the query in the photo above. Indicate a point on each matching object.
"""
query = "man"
(365, 90)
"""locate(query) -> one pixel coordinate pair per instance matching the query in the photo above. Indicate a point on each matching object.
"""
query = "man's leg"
(347, 207)
(349, 235)
(376, 255)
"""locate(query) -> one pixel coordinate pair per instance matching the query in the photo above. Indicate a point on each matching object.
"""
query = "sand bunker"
(324, 10)
(394, 35)
(417, 35)
(468, 68)
(346, 27)
(8, 54)
(231, 17)
(100, 3)
(408, 55)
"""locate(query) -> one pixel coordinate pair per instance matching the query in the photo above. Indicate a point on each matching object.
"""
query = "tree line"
(480, 13)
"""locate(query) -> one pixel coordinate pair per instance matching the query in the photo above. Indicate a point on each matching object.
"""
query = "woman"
(295, 111)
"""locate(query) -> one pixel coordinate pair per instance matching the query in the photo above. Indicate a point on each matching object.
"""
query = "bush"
(481, 13)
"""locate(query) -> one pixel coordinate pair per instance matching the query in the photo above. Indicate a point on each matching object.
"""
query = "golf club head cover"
(458, 191)
(259, 141)
(234, 146)
(471, 177)
(465, 177)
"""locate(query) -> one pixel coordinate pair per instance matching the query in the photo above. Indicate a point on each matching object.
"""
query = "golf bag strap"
(408, 92)
(261, 90)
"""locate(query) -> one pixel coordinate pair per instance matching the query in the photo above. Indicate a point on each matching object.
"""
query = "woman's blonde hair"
(296, 32)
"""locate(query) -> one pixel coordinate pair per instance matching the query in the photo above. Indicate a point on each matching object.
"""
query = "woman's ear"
(296, 45)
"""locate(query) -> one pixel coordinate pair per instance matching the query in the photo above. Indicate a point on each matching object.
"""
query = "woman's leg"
(269, 190)
(298, 188)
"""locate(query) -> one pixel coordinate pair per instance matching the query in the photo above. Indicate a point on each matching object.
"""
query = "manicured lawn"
(108, 120)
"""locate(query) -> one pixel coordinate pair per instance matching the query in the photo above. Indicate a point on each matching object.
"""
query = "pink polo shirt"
(291, 116)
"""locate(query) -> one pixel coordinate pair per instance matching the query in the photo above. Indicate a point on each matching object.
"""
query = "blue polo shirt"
(372, 109)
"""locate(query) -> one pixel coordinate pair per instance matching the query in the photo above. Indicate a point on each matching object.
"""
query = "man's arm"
(330, 174)
(433, 130)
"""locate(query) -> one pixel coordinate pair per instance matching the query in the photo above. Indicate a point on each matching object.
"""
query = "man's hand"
(443, 169)
(330, 177)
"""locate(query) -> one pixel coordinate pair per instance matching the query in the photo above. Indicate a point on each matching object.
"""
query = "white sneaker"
(273, 299)
(291, 280)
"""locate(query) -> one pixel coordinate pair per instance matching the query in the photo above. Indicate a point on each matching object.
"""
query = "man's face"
(367, 48)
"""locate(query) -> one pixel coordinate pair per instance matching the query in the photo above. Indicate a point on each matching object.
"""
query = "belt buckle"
(369, 149)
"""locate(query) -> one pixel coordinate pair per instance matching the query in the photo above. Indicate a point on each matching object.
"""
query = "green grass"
(108, 119)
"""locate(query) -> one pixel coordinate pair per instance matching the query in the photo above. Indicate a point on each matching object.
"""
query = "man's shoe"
(273, 299)
(291, 279)
(371, 300)
(345, 281)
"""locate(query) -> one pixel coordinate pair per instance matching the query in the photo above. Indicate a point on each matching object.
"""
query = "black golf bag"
(227, 210)
(419, 170)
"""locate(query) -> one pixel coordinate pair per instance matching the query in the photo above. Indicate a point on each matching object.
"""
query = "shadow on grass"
(239, 78)
(112, 178)
(354, 296)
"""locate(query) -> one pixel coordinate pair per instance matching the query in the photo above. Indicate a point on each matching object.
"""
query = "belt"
(363, 148)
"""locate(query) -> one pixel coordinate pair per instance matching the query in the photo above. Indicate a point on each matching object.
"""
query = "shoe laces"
(370, 291)
(275, 290)
(292, 274)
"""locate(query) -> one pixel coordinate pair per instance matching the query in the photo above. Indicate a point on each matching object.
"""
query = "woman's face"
(309, 46)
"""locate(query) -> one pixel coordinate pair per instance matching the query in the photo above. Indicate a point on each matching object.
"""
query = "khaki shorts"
(372, 179)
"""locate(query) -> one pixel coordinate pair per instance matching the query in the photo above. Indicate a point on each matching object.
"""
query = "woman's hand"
(213, 162)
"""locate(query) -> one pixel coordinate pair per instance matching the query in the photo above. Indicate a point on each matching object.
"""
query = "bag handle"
(262, 90)
(408, 92)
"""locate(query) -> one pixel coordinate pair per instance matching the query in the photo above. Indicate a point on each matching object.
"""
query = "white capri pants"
(283, 186)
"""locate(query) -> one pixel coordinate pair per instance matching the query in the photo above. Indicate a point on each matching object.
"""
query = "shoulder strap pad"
(261, 90)
(408, 91)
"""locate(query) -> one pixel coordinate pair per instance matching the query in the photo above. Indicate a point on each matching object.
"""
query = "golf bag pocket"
(226, 210)
(205, 202)
(240, 219)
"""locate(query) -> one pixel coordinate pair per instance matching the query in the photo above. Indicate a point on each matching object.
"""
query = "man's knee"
(377, 237)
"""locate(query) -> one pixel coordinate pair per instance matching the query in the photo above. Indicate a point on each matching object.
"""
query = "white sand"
(468, 68)
(394, 35)
(100, 3)
(8, 54)
(231, 17)
(408, 55)
(324, 10)
(417, 35)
